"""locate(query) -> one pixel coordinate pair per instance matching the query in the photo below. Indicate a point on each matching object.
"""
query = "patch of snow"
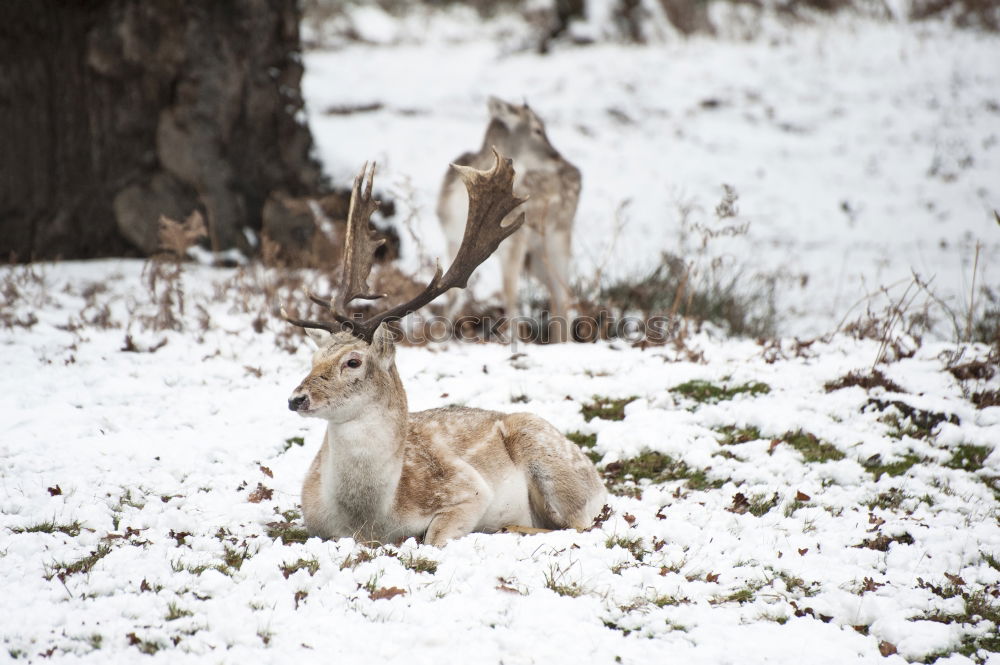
(153, 456)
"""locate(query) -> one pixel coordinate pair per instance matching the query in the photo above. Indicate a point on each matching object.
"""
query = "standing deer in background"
(385, 474)
(552, 187)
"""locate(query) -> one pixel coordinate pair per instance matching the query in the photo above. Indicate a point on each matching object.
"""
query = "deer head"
(523, 133)
(349, 376)
(354, 362)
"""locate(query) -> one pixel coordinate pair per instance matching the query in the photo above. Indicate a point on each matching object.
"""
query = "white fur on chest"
(359, 478)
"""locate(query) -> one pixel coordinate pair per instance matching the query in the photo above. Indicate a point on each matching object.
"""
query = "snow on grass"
(765, 508)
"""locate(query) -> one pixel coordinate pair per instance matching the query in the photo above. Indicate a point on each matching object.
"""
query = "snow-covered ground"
(141, 495)
(859, 150)
(149, 481)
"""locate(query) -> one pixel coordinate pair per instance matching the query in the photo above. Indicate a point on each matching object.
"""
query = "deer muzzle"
(298, 403)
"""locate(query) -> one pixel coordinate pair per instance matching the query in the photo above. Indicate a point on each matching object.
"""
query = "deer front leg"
(512, 256)
(553, 270)
(512, 262)
(457, 520)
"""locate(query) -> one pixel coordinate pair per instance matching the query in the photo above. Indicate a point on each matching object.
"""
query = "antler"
(491, 199)
(361, 244)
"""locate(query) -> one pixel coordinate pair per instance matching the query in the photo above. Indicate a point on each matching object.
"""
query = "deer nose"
(296, 403)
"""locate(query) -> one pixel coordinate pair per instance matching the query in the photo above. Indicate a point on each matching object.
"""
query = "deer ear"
(501, 110)
(383, 346)
(319, 337)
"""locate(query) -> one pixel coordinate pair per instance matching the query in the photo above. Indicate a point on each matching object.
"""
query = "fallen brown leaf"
(740, 504)
(384, 593)
(886, 648)
(261, 493)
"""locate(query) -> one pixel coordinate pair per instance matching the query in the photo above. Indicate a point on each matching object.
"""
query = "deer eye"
(353, 363)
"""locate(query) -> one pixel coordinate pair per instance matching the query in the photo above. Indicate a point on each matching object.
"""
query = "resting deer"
(385, 474)
(552, 187)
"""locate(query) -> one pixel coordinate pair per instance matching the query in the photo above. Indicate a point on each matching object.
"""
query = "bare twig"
(972, 295)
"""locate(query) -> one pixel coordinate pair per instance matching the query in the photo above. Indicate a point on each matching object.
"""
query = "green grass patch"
(761, 504)
(128, 499)
(757, 505)
(978, 606)
(611, 625)
(891, 499)
(744, 594)
(993, 482)
(289, 532)
(290, 515)
(905, 420)
(293, 441)
(707, 392)
(420, 564)
(605, 408)
(232, 561)
(968, 457)
(555, 581)
(147, 647)
(233, 557)
(632, 545)
(793, 583)
(877, 467)
(898, 427)
(587, 443)
(793, 506)
(658, 468)
(992, 560)
(361, 555)
(80, 566)
(179, 566)
(731, 435)
(175, 611)
(812, 448)
(666, 600)
(309, 565)
(71, 529)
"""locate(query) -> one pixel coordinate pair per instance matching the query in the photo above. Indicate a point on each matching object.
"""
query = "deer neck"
(497, 134)
(364, 462)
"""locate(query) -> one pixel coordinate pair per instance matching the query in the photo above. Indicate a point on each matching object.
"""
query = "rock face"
(113, 112)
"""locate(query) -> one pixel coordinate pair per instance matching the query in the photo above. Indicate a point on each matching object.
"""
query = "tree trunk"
(113, 112)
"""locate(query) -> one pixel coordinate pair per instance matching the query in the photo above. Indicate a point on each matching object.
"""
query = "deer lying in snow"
(552, 187)
(385, 474)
